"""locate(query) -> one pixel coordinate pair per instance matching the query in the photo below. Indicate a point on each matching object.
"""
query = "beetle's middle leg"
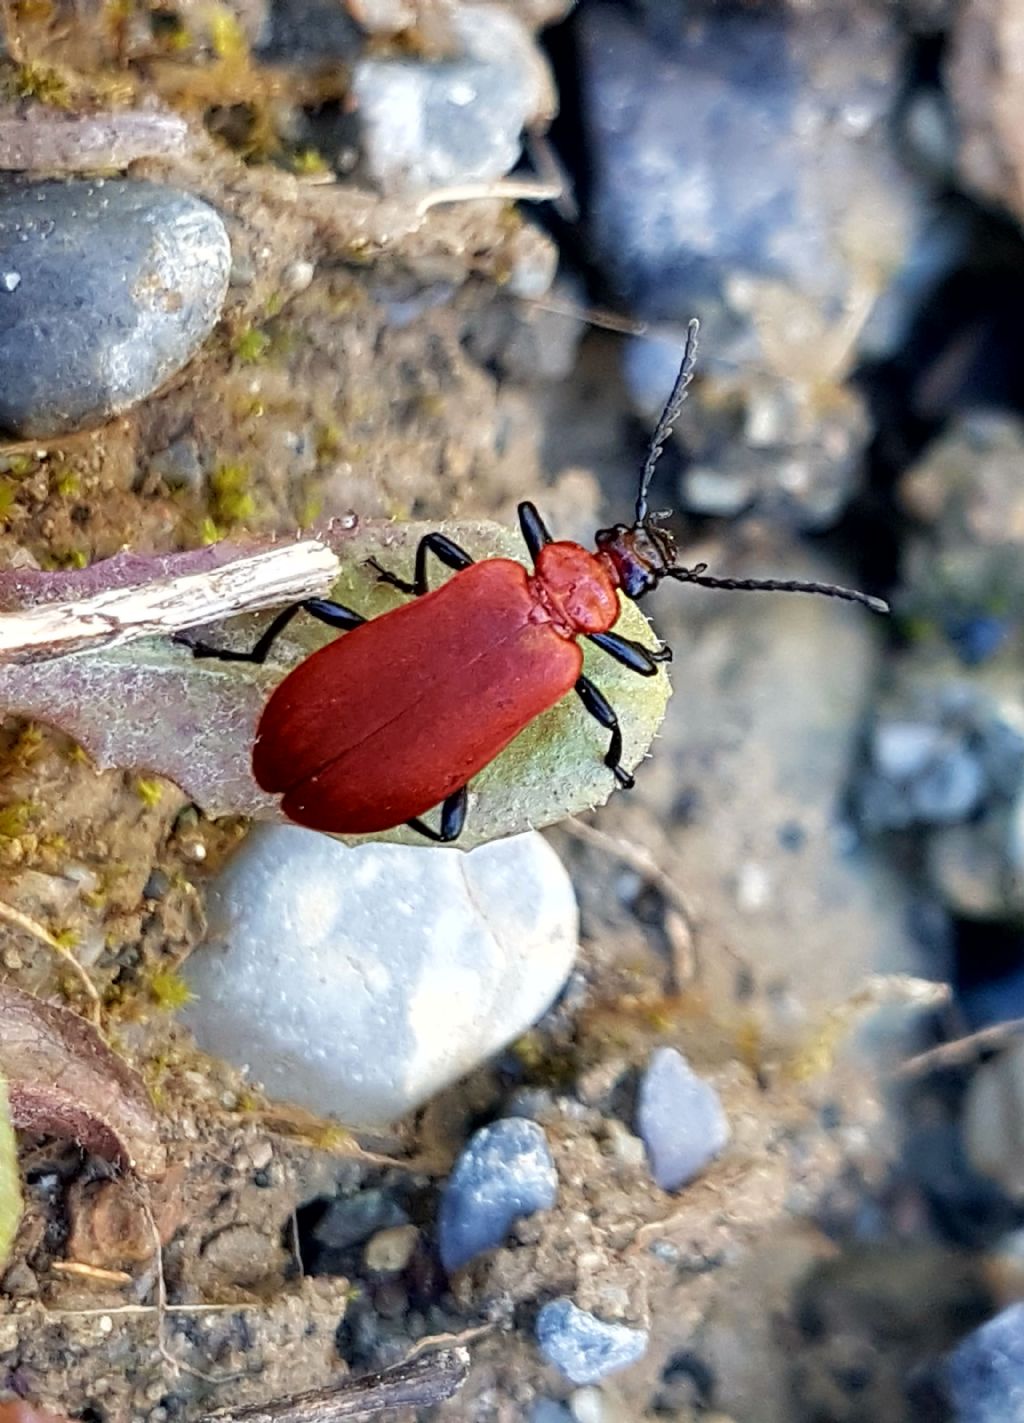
(601, 709)
(335, 615)
(453, 818)
(443, 549)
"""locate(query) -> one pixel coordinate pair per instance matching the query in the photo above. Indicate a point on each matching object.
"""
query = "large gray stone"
(358, 982)
(107, 288)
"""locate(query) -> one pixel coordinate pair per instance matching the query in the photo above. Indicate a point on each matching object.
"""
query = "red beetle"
(380, 726)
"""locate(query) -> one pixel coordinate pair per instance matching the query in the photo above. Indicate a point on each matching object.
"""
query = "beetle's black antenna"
(776, 585)
(668, 418)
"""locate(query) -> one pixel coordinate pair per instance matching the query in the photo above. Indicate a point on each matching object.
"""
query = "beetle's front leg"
(631, 654)
(443, 549)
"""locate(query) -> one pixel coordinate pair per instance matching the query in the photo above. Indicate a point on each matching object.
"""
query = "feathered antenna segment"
(697, 574)
(668, 417)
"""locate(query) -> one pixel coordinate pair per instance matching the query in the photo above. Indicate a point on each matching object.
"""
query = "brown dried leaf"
(18, 1411)
(63, 1080)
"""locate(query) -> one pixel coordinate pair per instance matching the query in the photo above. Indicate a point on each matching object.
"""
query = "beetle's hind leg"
(453, 819)
(603, 712)
(335, 615)
(443, 549)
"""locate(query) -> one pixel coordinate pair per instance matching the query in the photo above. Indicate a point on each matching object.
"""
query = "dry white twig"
(508, 190)
(285, 574)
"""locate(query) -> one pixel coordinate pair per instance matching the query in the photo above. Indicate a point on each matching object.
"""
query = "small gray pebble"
(586, 1349)
(985, 1372)
(950, 789)
(504, 1172)
(389, 1251)
(179, 465)
(680, 1119)
(546, 1410)
(428, 125)
(901, 749)
(353, 1219)
(120, 282)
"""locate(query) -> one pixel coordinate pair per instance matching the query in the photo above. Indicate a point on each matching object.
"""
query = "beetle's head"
(641, 555)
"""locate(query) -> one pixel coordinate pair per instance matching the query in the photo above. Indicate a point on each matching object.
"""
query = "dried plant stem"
(284, 574)
(961, 1050)
(91, 1272)
(177, 1365)
(683, 929)
(509, 190)
(37, 931)
(418, 1383)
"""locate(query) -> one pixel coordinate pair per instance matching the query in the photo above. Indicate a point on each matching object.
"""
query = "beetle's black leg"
(335, 615)
(535, 533)
(443, 549)
(633, 655)
(453, 818)
(602, 710)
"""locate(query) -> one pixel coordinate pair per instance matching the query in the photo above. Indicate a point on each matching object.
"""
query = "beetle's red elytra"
(397, 717)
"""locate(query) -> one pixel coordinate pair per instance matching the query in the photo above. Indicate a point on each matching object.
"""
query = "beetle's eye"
(638, 581)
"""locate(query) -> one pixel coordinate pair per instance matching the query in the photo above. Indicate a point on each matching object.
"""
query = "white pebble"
(359, 982)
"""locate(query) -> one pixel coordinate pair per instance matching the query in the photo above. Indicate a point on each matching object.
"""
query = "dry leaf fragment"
(65, 1081)
(18, 1411)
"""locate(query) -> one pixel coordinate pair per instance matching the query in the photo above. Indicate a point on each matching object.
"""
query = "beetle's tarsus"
(453, 819)
(391, 579)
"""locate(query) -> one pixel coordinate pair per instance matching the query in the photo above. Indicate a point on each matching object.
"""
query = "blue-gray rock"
(707, 135)
(546, 1410)
(107, 288)
(680, 1119)
(985, 1372)
(505, 1172)
(427, 125)
(707, 141)
(352, 1219)
(586, 1349)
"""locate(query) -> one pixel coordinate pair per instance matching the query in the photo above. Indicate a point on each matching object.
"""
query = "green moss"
(232, 501)
(169, 990)
(15, 819)
(21, 465)
(150, 792)
(68, 483)
(227, 38)
(251, 346)
(43, 83)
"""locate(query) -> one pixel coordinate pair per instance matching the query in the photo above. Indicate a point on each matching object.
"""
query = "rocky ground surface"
(706, 1104)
